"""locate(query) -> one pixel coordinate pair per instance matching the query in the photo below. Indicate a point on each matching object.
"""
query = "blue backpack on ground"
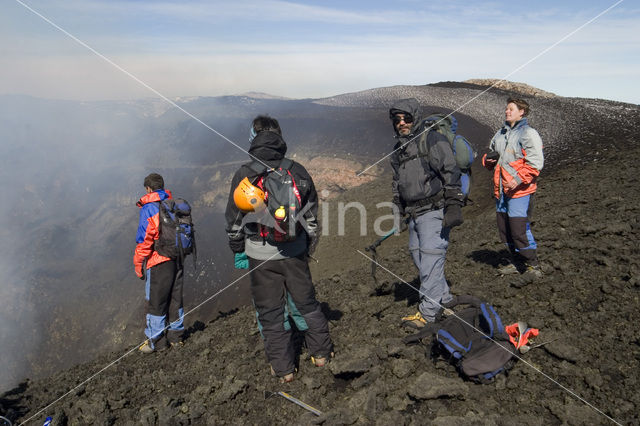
(177, 235)
(463, 151)
(473, 339)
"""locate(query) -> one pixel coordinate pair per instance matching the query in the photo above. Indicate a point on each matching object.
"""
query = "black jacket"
(423, 183)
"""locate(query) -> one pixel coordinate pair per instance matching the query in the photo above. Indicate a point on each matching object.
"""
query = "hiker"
(516, 158)
(277, 257)
(428, 189)
(163, 274)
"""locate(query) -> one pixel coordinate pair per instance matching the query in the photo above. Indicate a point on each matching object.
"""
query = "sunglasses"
(408, 119)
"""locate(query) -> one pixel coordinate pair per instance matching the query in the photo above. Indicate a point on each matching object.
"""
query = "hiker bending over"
(163, 274)
(272, 227)
(426, 187)
(515, 156)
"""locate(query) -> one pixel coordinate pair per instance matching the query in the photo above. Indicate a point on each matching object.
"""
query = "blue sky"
(315, 49)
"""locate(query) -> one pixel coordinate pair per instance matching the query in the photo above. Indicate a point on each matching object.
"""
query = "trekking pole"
(296, 401)
(372, 248)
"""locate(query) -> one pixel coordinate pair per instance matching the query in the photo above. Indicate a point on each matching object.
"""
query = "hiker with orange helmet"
(277, 258)
(516, 159)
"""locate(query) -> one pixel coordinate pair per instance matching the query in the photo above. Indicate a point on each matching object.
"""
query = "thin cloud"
(320, 50)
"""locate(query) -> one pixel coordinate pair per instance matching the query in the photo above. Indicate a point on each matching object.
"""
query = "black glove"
(237, 246)
(492, 155)
(312, 243)
(452, 216)
(399, 204)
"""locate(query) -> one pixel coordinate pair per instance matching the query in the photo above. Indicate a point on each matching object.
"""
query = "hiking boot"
(146, 347)
(508, 269)
(287, 378)
(534, 271)
(414, 321)
(321, 361)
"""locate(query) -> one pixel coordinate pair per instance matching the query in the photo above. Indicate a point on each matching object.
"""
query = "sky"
(104, 50)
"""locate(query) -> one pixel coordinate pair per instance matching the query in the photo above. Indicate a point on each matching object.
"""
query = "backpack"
(447, 125)
(463, 151)
(282, 199)
(177, 234)
(473, 340)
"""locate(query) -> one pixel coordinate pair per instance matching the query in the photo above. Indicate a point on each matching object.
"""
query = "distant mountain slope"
(560, 121)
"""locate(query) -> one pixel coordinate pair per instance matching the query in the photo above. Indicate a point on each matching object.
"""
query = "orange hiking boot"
(414, 321)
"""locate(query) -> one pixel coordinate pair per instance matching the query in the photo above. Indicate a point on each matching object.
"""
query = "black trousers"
(270, 282)
(164, 301)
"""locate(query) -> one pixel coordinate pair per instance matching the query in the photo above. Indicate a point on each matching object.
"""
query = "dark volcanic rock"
(433, 386)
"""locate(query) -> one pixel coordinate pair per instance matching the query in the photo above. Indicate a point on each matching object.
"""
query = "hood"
(268, 147)
(154, 197)
(407, 106)
(522, 122)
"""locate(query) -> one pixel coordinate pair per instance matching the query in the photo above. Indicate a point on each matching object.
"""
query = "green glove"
(241, 261)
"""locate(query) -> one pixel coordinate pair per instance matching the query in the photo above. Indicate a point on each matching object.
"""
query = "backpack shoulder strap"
(463, 300)
(286, 164)
(427, 330)
(493, 320)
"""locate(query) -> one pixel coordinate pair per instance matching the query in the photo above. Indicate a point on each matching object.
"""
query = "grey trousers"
(428, 242)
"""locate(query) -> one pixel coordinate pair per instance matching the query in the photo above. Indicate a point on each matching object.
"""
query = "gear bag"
(463, 151)
(177, 234)
(474, 340)
(282, 199)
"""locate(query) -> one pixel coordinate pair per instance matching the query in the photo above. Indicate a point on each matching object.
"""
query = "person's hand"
(312, 243)
(490, 164)
(241, 261)
(490, 160)
(510, 185)
(452, 216)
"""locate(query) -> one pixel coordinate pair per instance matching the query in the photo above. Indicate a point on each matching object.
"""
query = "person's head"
(403, 114)
(403, 123)
(516, 110)
(153, 182)
(264, 123)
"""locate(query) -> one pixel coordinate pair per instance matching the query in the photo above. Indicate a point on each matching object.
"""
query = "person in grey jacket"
(427, 187)
(279, 270)
(516, 159)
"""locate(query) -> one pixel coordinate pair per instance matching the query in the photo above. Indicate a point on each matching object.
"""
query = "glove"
(140, 272)
(396, 201)
(237, 246)
(312, 243)
(452, 216)
(241, 261)
(490, 160)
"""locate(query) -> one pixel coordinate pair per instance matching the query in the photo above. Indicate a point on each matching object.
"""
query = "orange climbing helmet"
(248, 197)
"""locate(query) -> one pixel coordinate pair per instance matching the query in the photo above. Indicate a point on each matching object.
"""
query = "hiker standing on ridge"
(516, 158)
(278, 260)
(163, 274)
(428, 188)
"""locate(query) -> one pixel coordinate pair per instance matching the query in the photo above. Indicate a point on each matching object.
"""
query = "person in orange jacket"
(516, 159)
(163, 275)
